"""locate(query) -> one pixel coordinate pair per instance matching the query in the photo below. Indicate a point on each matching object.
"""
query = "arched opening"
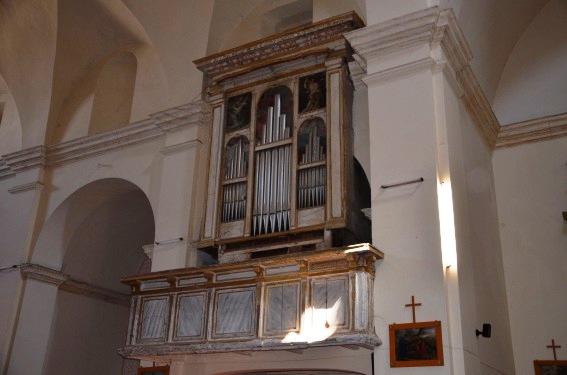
(100, 230)
(114, 93)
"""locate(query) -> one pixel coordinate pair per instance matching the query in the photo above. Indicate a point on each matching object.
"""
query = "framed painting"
(158, 370)
(416, 344)
(550, 367)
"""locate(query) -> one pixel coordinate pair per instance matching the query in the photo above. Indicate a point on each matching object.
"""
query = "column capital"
(409, 34)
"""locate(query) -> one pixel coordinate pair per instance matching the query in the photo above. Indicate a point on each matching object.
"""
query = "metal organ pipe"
(312, 181)
(273, 175)
(234, 194)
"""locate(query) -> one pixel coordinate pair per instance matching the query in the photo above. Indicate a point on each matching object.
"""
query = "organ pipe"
(271, 206)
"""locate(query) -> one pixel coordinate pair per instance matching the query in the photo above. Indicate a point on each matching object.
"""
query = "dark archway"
(102, 228)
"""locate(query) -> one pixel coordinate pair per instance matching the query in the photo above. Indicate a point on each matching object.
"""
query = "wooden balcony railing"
(293, 301)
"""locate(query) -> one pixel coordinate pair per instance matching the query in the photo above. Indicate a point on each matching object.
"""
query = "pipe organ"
(280, 163)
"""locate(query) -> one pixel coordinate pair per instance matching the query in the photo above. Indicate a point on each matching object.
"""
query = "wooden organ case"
(281, 216)
(281, 168)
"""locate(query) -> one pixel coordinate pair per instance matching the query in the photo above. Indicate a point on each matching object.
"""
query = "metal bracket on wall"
(402, 183)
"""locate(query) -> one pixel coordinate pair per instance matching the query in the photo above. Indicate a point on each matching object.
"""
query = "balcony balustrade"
(293, 301)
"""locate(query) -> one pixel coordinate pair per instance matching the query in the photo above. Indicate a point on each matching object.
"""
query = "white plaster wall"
(28, 56)
(85, 335)
(114, 93)
(531, 192)
(34, 325)
(10, 128)
(534, 80)
(323, 9)
(361, 139)
(16, 220)
(405, 220)
(11, 282)
(482, 289)
(382, 10)
(179, 31)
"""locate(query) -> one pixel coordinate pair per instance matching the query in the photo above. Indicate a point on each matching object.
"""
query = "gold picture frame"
(416, 344)
(155, 370)
(547, 367)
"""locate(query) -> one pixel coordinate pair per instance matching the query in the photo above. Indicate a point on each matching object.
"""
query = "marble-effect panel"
(154, 313)
(191, 316)
(235, 313)
(282, 308)
(331, 295)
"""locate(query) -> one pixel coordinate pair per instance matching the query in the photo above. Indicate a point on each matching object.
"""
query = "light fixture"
(486, 330)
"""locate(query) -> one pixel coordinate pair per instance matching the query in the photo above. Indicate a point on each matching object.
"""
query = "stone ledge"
(543, 128)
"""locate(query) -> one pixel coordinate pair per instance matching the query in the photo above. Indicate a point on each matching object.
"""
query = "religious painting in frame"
(238, 109)
(416, 344)
(157, 370)
(550, 367)
(312, 92)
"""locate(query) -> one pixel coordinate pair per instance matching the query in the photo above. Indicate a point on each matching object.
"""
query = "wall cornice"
(23, 160)
(64, 282)
(35, 185)
(543, 128)
(432, 27)
(158, 125)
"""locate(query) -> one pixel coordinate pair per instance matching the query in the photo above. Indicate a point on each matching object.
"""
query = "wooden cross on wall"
(553, 347)
(413, 306)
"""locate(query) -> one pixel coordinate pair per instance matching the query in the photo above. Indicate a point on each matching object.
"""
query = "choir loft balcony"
(289, 302)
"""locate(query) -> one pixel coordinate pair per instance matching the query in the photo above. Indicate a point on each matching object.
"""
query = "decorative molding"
(181, 146)
(44, 274)
(478, 106)
(96, 144)
(22, 160)
(398, 71)
(266, 51)
(160, 123)
(65, 282)
(149, 250)
(35, 185)
(394, 35)
(357, 74)
(178, 118)
(436, 28)
(92, 291)
(532, 130)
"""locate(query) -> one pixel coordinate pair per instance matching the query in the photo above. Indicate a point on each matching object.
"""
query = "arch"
(62, 229)
(114, 93)
(98, 233)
